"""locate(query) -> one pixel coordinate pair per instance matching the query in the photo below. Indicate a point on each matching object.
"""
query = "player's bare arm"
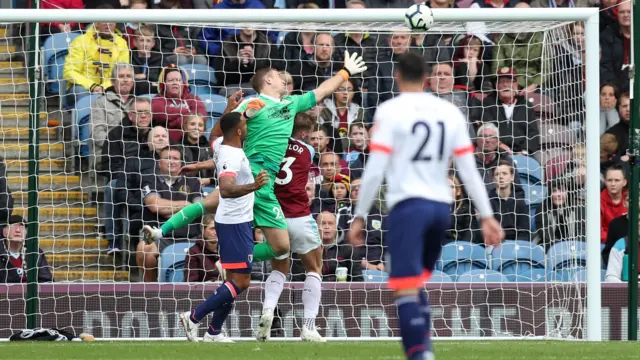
(202, 165)
(353, 64)
(229, 188)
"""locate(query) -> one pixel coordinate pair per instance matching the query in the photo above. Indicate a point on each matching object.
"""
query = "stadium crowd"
(523, 108)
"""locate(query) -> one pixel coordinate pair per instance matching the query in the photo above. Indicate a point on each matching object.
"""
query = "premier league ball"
(419, 17)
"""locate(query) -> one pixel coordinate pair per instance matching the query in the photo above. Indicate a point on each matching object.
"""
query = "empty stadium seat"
(171, 262)
(534, 194)
(438, 276)
(566, 254)
(374, 276)
(556, 135)
(514, 257)
(482, 276)
(578, 274)
(460, 257)
(81, 122)
(542, 104)
(531, 275)
(54, 53)
(202, 75)
(528, 168)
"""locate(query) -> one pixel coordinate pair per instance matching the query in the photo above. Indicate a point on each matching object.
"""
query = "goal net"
(109, 100)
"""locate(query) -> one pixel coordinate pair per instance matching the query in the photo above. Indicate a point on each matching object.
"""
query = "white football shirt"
(231, 161)
(421, 133)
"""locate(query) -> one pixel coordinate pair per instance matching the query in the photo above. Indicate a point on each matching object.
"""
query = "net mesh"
(98, 164)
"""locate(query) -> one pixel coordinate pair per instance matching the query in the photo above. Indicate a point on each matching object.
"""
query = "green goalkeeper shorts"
(266, 208)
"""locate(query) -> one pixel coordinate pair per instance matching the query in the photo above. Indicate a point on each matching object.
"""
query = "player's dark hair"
(411, 67)
(257, 80)
(229, 122)
(616, 167)
(303, 122)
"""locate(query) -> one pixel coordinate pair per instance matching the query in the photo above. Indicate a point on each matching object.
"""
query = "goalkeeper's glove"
(353, 64)
(253, 107)
(151, 234)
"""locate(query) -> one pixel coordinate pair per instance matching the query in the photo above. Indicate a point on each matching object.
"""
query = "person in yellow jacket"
(91, 57)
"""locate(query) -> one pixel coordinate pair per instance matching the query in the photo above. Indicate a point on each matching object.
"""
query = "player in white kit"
(415, 138)
(233, 224)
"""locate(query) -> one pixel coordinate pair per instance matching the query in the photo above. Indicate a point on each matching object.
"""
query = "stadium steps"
(46, 182)
(80, 260)
(20, 151)
(72, 229)
(13, 85)
(20, 119)
(52, 166)
(90, 275)
(52, 197)
(73, 245)
(9, 68)
(61, 212)
(7, 51)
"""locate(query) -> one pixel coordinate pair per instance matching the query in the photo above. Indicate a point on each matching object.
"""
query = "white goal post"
(341, 19)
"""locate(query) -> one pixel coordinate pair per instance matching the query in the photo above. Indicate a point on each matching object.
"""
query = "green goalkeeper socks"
(184, 217)
(263, 252)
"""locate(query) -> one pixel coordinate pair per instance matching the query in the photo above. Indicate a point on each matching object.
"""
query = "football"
(419, 17)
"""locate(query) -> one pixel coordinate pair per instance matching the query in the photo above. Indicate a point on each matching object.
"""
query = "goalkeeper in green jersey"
(269, 124)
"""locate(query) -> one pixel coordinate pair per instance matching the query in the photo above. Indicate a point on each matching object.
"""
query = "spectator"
(136, 168)
(88, 66)
(616, 271)
(146, 62)
(608, 107)
(203, 260)
(363, 43)
(435, 48)
(494, 4)
(298, 47)
(522, 52)
(441, 85)
(131, 29)
(109, 108)
(174, 102)
(165, 194)
(559, 3)
(340, 189)
(124, 142)
(322, 142)
(608, 13)
(372, 253)
(618, 229)
(358, 149)
(621, 129)
(311, 190)
(489, 154)
(341, 111)
(6, 200)
(566, 83)
(335, 253)
(559, 217)
(510, 112)
(314, 72)
(329, 168)
(13, 259)
(48, 29)
(179, 43)
(470, 71)
(211, 37)
(386, 88)
(288, 79)
(507, 201)
(464, 225)
(615, 49)
(609, 156)
(243, 53)
(611, 198)
(197, 147)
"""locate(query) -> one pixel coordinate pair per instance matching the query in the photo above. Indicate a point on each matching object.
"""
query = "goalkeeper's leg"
(183, 218)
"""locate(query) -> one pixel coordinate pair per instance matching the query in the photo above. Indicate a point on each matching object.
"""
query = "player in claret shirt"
(303, 233)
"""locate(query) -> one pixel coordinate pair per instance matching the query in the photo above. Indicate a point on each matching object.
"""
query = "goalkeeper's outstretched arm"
(353, 64)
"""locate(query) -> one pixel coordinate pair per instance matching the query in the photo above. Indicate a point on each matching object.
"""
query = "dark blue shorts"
(417, 230)
(235, 243)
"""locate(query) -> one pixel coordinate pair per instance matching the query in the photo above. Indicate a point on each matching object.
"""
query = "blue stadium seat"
(531, 275)
(516, 256)
(374, 276)
(201, 90)
(566, 254)
(528, 168)
(54, 53)
(438, 276)
(200, 74)
(171, 262)
(482, 276)
(81, 122)
(215, 104)
(148, 96)
(534, 194)
(578, 274)
(460, 257)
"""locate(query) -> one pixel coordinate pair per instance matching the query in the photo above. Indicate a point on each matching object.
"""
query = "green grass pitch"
(249, 350)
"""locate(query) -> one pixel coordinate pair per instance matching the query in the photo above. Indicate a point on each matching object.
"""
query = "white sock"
(311, 295)
(272, 289)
